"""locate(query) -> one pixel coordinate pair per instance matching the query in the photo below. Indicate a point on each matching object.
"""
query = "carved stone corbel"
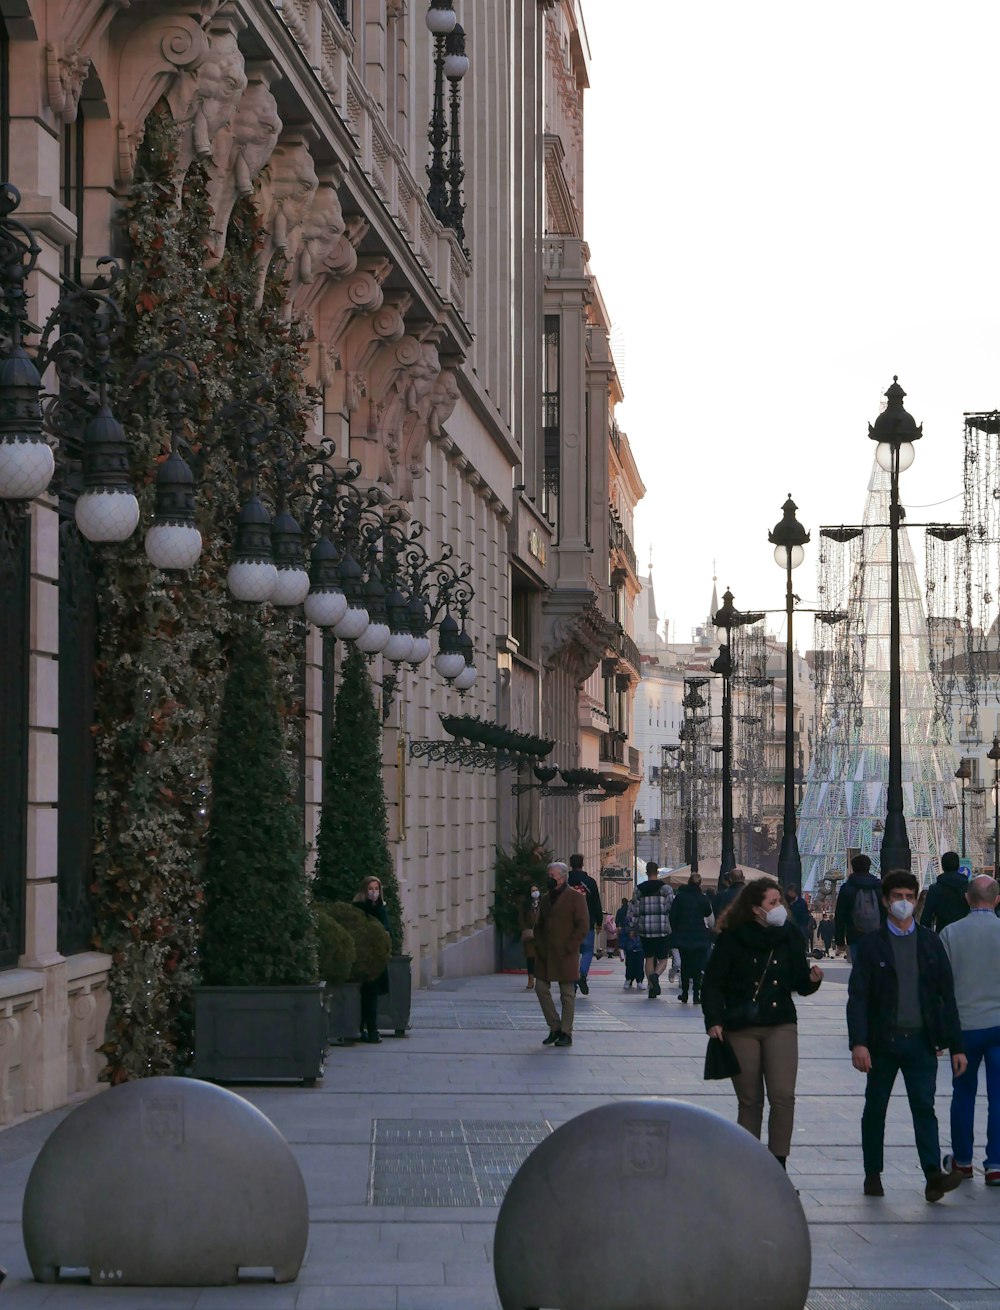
(287, 188)
(73, 35)
(242, 149)
(323, 232)
(203, 100)
(148, 63)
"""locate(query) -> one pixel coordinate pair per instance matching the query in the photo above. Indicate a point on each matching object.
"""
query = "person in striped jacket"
(649, 913)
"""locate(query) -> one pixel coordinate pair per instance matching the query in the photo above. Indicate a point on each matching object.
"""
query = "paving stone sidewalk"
(407, 1149)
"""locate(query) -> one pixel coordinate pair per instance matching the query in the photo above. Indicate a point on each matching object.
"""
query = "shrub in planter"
(372, 946)
(336, 948)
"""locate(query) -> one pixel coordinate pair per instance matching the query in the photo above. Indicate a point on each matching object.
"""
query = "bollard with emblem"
(694, 1214)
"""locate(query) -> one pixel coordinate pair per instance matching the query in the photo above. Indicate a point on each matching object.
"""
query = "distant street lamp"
(788, 539)
(994, 754)
(964, 773)
(637, 820)
(895, 431)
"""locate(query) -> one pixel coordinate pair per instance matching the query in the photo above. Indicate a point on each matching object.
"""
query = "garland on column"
(163, 637)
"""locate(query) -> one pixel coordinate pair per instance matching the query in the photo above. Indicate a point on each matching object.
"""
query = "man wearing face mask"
(900, 1011)
(562, 924)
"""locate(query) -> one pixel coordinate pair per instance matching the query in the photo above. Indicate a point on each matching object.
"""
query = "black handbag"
(720, 1059)
(747, 1013)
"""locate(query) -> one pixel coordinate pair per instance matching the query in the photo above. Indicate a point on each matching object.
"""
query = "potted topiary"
(371, 944)
(353, 838)
(337, 953)
(259, 1011)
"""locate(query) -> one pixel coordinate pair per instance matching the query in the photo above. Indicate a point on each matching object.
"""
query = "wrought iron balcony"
(612, 749)
(626, 649)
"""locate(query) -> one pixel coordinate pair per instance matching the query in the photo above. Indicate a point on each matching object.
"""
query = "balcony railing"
(612, 749)
(616, 437)
(626, 649)
(634, 761)
(618, 539)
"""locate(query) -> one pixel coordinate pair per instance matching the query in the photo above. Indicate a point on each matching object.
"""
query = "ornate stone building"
(318, 109)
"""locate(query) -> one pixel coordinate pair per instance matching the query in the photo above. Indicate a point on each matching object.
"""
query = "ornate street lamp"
(440, 19)
(788, 539)
(994, 754)
(727, 618)
(964, 773)
(456, 65)
(895, 431)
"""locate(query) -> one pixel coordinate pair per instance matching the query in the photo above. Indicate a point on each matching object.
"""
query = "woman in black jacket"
(746, 997)
(369, 900)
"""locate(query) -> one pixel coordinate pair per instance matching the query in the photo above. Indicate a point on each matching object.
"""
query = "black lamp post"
(994, 754)
(964, 773)
(895, 431)
(637, 821)
(788, 539)
(727, 618)
(456, 65)
(440, 19)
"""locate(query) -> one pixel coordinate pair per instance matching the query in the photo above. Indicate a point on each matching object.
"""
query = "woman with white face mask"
(758, 962)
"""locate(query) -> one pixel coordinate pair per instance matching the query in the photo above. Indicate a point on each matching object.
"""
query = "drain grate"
(448, 1162)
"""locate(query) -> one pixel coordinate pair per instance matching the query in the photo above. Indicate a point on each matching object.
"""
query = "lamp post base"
(895, 853)
(789, 862)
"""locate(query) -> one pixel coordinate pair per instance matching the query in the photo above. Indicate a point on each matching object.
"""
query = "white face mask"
(373, 893)
(901, 909)
(535, 895)
(776, 917)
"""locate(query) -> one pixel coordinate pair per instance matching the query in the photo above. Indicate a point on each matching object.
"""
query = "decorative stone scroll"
(204, 99)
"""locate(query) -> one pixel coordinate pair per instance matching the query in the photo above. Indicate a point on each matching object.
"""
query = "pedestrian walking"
(368, 899)
(757, 963)
(946, 901)
(825, 933)
(560, 928)
(650, 915)
(691, 934)
(900, 1012)
(611, 936)
(860, 909)
(723, 898)
(582, 881)
(634, 957)
(973, 947)
(798, 912)
(526, 919)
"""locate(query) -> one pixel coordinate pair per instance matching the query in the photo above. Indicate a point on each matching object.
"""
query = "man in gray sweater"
(973, 946)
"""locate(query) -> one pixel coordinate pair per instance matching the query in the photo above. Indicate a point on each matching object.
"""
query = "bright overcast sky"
(786, 204)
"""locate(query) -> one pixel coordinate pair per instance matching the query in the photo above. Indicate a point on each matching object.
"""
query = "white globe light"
(466, 678)
(251, 580)
(883, 455)
(173, 545)
(781, 557)
(440, 21)
(456, 67)
(421, 649)
(353, 624)
(449, 664)
(325, 608)
(26, 469)
(291, 587)
(398, 647)
(103, 515)
(374, 638)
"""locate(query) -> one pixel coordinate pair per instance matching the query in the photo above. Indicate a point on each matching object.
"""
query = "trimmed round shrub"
(372, 944)
(336, 948)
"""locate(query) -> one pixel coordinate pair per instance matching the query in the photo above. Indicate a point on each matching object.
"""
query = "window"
(73, 191)
(522, 617)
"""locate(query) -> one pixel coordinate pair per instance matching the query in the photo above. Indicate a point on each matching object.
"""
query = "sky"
(788, 203)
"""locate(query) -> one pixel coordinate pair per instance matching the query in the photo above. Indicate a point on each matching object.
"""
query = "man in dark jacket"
(649, 914)
(900, 1011)
(946, 901)
(798, 912)
(723, 899)
(579, 878)
(858, 911)
(690, 934)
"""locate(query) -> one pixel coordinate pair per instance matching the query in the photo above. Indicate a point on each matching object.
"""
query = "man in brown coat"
(563, 922)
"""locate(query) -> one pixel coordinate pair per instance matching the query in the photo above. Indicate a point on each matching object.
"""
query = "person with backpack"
(649, 913)
(859, 906)
(946, 900)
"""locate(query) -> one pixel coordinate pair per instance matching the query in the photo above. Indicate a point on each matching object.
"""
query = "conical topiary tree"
(353, 840)
(259, 928)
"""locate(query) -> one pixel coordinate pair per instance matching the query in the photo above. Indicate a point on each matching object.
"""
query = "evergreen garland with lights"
(163, 637)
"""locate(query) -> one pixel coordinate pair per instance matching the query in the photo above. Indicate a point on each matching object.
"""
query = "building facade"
(493, 430)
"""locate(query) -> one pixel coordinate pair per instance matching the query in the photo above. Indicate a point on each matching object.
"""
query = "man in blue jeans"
(900, 1012)
(585, 885)
(973, 947)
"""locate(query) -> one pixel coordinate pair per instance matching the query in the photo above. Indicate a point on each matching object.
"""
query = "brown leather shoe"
(873, 1185)
(939, 1182)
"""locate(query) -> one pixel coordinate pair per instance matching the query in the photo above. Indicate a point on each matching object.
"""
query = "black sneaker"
(873, 1185)
(583, 986)
(552, 1038)
(564, 1039)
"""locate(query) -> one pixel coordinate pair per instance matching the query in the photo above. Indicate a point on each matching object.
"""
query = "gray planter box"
(343, 1012)
(259, 1034)
(394, 1007)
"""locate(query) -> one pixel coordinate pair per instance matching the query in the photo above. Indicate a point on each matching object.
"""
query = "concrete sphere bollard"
(165, 1182)
(651, 1205)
